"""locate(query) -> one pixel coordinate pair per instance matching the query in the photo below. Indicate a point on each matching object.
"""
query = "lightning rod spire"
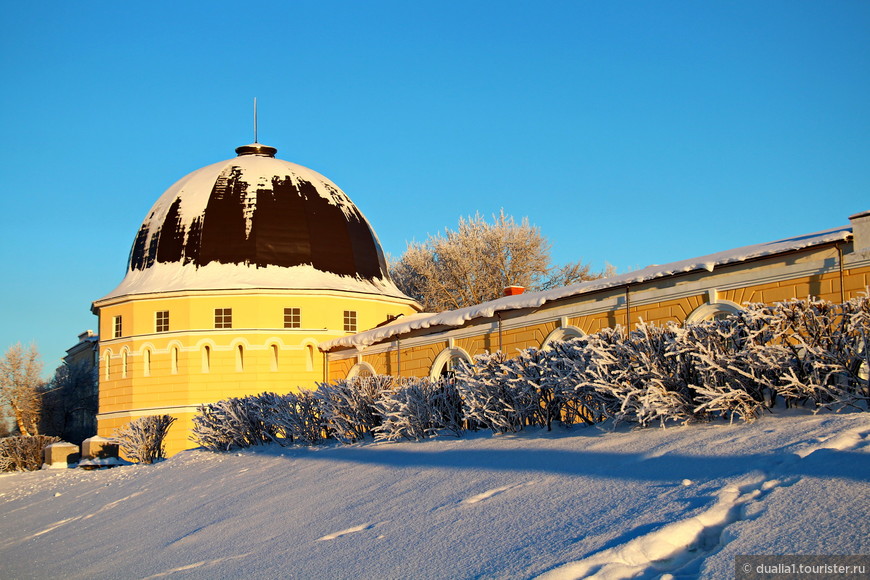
(255, 120)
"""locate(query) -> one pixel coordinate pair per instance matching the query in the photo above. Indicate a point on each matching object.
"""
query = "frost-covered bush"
(258, 419)
(643, 373)
(828, 348)
(804, 351)
(227, 424)
(418, 408)
(535, 376)
(576, 365)
(266, 415)
(142, 440)
(490, 399)
(348, 406)
(24, 453)
(300, 418)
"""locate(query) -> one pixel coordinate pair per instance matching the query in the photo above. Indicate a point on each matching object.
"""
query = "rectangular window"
(292, 318)
(223, 317)
(350, 320)
(161, 321)
(116, 321)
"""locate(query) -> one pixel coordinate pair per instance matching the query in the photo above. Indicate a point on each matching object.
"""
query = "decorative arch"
(361, 369)
(125, 358)
(173, 359)
(206, 348)
(310, 349)
(274, 349)
(239, 349)
(561, 334)
(309, 357)
(205, 353)
(145, 346)
(240, 346)
(107, 363)
(146, 361)
(445, 363)
(240, 341)
(712, 311)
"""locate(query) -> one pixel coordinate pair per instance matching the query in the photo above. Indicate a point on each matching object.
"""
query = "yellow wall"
(257, 327)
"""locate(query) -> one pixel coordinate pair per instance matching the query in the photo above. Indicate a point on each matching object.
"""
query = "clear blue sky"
(629, 132)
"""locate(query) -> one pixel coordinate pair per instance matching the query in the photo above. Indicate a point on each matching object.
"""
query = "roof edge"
(459, 317)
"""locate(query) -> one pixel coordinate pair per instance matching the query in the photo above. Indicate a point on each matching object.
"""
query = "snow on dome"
(255, 221)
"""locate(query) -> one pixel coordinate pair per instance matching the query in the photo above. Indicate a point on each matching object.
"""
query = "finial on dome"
(256, 149)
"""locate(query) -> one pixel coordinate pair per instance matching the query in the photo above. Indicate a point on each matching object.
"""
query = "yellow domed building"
(238, 272)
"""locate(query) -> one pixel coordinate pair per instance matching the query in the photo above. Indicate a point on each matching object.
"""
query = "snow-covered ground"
(565, 504)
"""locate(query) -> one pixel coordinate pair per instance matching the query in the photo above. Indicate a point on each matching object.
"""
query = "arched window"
(309, 357)
(206, 358)
(146, 362)
(274, 350)
(106, 366)
(362, 369)
(240, 358)
(712, 311)
(124, 365)
(173, 360)
(561, 334)
(447, 361)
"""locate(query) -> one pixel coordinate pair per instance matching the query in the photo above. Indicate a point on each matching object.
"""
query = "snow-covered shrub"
(210, 427)
(227, 424)
(800, 350)
(493, 396)
(348, 406)
(721, 371)
(265, 418)
(258, 419)
(857, 327)
(828, 346)
(531, 378)
(727, 402)
(24, 453)
(449, 413)
(574, 365)
(643, 372)
(415, 408)
(142, 440)
(299, 417)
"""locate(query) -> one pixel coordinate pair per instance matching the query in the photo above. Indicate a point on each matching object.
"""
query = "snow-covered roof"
(255, 221)
(536, 299)
(178, 277)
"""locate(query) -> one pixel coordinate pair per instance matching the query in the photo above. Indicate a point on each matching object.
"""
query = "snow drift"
(568, 504)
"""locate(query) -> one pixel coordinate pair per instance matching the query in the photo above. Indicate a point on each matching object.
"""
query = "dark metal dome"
(251, 214)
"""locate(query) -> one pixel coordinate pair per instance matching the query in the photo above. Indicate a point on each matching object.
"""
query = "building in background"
(70, 399)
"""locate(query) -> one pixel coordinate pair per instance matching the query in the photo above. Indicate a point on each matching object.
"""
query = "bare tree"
(477, 261)
(20, 383)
